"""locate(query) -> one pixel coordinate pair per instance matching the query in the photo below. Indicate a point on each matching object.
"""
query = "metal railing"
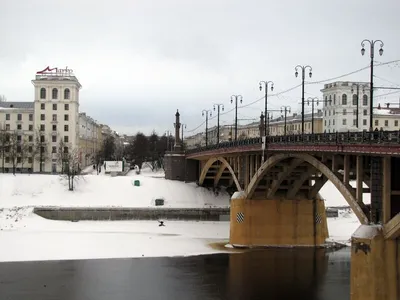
(382, 138)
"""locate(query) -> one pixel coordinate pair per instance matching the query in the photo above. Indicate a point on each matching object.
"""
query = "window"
(7, 149)
(329, 112)
(344, 112)
(365, 112)
(42, 117)
(386, 123)
(42, 127)
(54, 106)
(30, 149)
(333, 112)
(355, 122)
(330, 100)
(53, 149)
(54, 117)
(365, 122)
(66, 117)
(65, 127)
(66, 94)
(42, 149)
(7, 126)
(344, 100)
(54, 94)
(66, 139)
(42, 138)
(30, 127)
(396, 123)
(30, 160)
(30, 138)
(19, 138)
(66, 106)
(354, 112)
(325, 122)
(333, 122)
(344, 121)
(65, 149)
(329, 122)
(54, 127)
(334, 99)
(18, 160)
(365, 100)
(19, 149)
(42, 106)
(355, 99)
(42, 93)
(7, 117)
(53, 138)
(376, 122)
(30, 117)
(325, 113)
(7, 160)
(19, 126)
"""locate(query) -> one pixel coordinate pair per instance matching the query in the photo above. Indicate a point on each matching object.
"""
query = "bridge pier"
(375, 265)
(277, 223)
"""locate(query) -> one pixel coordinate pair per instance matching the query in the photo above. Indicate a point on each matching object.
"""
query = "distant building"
(340, 109)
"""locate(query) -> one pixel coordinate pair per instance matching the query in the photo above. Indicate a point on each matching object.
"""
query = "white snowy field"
(25, 236)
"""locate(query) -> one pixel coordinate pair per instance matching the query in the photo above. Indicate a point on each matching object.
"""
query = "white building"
(340, 109)
(52, 117)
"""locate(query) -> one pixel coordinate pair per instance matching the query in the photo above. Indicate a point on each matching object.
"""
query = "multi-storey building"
(47, 124)
(89, 139)
(293, 124)
(347, 108)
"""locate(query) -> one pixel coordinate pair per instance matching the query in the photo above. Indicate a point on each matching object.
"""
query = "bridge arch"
(343, 189)
(225, 164)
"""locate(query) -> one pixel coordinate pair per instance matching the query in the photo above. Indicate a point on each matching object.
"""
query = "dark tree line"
(150, 149)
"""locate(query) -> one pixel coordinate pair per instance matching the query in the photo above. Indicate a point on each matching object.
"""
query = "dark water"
(271, 274)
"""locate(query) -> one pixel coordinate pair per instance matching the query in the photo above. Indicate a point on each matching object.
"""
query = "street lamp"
(220, 107)
(236, 98)
(285, 109)
(265, 83)
(371, 87)
(183, 126)
(312, 101)
(358, 85)
(206, 112)
(303, 77)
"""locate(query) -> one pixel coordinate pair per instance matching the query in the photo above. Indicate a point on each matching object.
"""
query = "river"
(273, 274)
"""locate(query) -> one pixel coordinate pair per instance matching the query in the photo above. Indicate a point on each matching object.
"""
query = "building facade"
(47, 126)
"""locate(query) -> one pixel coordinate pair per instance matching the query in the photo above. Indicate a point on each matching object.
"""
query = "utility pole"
(220, 107)
(206, 112)
(236, 98)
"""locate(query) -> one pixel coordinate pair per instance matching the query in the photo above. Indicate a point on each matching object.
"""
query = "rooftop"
(20, 105)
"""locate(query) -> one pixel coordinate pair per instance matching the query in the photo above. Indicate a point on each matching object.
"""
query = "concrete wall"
(277, 223)
(174, 165)
(76, 214)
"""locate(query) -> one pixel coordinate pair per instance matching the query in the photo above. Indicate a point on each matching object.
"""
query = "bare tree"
(13, 149)
(25, 146)
(69, 161)
(4, 141)
(40, 152)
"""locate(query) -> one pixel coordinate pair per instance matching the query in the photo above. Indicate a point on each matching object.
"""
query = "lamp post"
(266, 83)
(206, 112)
(236, 98)
(371, 87)
(358, 85)
(219, 107)
(312, 101)
(303, 77)
(285, 109)
(183, 126)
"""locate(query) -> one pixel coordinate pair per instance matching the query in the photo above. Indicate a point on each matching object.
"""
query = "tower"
(56, 116)
(177, 124)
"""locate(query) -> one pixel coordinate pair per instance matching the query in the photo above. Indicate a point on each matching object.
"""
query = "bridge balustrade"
(336, 138)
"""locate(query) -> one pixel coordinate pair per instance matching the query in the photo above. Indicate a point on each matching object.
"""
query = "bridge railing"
(337, 138)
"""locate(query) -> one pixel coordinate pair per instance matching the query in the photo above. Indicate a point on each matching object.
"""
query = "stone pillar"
(262, 125)
(375, 265)
(177, 124)
(276, 222)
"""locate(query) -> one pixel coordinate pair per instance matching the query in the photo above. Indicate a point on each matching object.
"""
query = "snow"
(333, 198)
(105, 191)
(367, 231)
(26, 236)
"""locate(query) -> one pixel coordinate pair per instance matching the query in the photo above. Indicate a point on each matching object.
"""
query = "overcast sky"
(140, 60)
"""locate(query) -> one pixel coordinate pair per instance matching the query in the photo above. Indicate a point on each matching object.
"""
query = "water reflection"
(269, 274)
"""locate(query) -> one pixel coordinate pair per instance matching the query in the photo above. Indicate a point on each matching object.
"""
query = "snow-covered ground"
(26, 236)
